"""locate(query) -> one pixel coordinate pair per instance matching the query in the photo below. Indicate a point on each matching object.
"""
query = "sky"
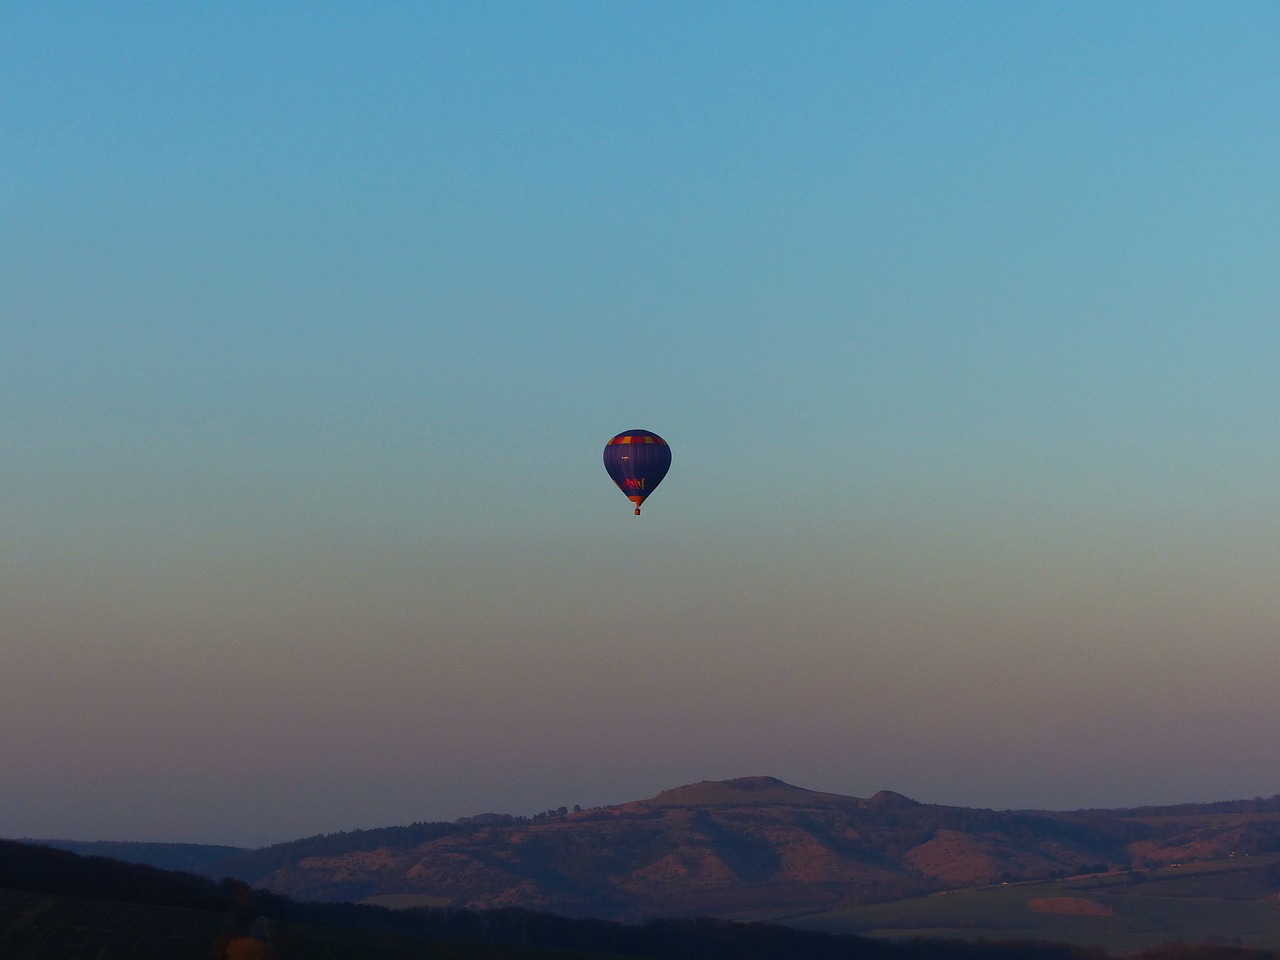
(960, 320)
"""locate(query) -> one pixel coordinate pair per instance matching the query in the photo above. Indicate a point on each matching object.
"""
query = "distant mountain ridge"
(738, 847)
(166, 856)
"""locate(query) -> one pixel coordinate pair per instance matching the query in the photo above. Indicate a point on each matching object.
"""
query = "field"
(1231, 902)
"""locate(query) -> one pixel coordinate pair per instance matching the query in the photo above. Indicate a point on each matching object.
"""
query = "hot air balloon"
(637, 460)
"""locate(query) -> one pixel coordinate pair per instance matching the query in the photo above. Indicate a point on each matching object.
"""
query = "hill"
(56, 905)
(750, 846)
(759, 849)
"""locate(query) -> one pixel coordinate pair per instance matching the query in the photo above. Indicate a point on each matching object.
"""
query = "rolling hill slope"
(713, 848)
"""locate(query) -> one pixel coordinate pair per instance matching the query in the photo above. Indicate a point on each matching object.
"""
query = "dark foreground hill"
(742, 848)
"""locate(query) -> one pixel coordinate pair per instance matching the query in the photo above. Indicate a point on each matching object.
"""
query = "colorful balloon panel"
(637, 460)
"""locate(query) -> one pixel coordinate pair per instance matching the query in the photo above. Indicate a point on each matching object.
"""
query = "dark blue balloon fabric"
(637, 460)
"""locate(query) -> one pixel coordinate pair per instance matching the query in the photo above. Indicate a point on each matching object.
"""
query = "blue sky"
(960, 320)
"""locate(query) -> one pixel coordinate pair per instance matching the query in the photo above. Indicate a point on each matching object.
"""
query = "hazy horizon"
(960, 321)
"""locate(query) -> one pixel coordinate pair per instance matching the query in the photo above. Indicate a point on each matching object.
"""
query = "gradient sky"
(961, 321)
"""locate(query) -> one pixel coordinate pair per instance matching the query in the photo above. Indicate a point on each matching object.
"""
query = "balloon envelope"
(637, 460)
